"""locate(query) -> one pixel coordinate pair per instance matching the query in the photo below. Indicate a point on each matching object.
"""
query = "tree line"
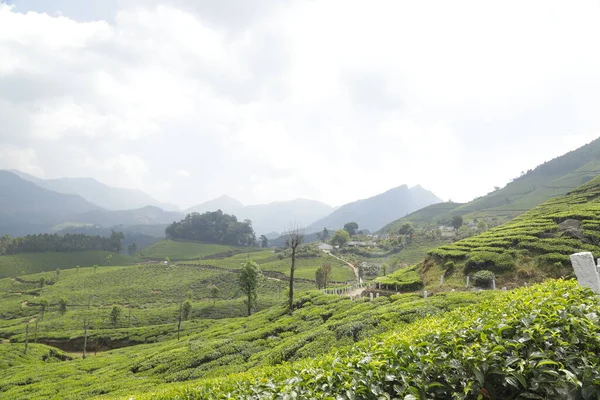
(60, 243)
(213, 227)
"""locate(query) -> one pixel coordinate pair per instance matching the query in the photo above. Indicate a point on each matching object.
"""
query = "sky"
(331, 100)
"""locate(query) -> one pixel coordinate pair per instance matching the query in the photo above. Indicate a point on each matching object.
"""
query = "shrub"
(479, 260)
(483, 278)
(449, 265)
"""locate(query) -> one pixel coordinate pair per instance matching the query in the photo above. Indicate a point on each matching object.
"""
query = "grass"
(30, 263)
(151, 293)
(209, 349)
(426, 216)
(183, 250)
(537, 342)
(533, 246)
(305, 267)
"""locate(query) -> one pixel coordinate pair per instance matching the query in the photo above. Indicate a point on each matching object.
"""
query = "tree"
(115, 314)
(406, 229)
(457, 222)
(294, 238)
(57, 274)
(322, 275)
(186, 309)
(213, 227)
(482, 226)
(108, 259)
(213, 292)
(95, 267)
(324, 235)
(132, 249)
(340, 238)
(42, 282)
(249, 280)
(351, 228)
(62, 305)
(43, 307)
(115, 241)
(384, 269)
(264, 242)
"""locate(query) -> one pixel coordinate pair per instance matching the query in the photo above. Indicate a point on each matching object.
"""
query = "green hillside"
(551, 179)
(29, 263)
(535, 245)
(209, 349)
(183, 250)
(425, 216)
(539, 342)
(149, 295)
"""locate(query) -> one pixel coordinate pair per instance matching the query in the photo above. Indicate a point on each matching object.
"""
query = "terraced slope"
(541, 342)
(537, 244)
(425, 216)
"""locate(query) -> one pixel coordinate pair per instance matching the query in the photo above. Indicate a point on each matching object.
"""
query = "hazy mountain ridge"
(271, 217)
(109, 197)
(374, 212)
(28, 208)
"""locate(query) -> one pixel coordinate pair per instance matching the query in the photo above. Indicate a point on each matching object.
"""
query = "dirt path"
(352, 267)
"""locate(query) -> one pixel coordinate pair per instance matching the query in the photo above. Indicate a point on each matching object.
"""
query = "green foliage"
(115, 314)
(541, 342)
(497, 262)
(182, 250)
(213, 227)
(483, 278)
(249, 279)
(186, 309)
(457, 221)
(402, 280)
(60, 243)
(340, 238)
(62, 305)
(30, 263)
(322, 275)
(536, 235)
(351, 228)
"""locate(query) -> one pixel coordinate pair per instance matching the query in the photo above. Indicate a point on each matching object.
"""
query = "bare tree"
(293, 238)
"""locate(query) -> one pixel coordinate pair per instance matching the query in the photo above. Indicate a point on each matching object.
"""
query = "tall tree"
(457, 221)
(264, 242)
(322, 275)
(249, 280)
(293, 238)
(43, 307)
(340, 238)
(351, 228)
(132, 249)
(115, 314)
(213, 292)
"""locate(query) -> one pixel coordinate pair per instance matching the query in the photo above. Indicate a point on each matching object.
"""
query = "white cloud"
(333, 100)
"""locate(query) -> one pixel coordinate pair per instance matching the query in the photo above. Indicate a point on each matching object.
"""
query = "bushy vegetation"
(543, 237)
(213, 227)
(319, 324)
(403, 280)
(483, 278)
(69, 242)
(30, 263)
(188, 250)
(537, 342)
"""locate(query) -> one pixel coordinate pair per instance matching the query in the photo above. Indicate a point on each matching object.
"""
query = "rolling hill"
(108, 197)
(28, 208)
(271, 217)
(374, 212)
(429, 215)
(553, 178)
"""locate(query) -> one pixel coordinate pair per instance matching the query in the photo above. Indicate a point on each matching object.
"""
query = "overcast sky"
(332, 100)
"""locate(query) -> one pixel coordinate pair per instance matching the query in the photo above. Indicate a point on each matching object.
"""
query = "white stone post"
(586, 270)
(424, 294)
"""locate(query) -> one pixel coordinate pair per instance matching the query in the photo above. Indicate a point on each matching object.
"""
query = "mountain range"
(550, 179)
(374, 212)
(34, 205)
(104, 196)
(272, 217)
